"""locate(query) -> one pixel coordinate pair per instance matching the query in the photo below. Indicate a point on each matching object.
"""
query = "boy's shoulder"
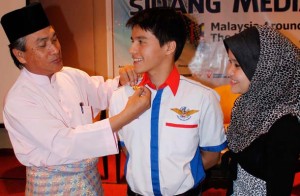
(189, 82)
(123, 91)
(191, 86)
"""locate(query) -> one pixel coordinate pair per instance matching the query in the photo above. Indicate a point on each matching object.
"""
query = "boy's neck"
(159, 77)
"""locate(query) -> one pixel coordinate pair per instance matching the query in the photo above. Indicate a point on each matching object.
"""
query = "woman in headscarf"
(264, 132)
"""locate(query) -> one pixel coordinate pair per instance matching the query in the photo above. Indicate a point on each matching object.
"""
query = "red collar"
(172, 81)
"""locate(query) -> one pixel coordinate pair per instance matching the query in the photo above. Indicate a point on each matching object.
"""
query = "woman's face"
(238, 80)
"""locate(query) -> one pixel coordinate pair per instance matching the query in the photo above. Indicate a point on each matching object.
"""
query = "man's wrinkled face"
(42, 53)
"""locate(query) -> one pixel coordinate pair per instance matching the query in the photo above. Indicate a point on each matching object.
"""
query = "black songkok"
(24, 21)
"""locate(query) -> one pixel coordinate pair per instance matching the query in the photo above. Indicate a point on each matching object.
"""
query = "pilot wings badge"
(184, 113)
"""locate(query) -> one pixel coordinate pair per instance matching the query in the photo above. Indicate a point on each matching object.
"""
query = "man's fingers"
(141, 91)
(128, 75)
(144, 91)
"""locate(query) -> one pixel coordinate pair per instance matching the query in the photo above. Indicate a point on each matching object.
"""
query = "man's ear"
(171, 47)
(19, 55)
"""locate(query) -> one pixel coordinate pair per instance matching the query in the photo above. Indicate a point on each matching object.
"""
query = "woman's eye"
(234, 63)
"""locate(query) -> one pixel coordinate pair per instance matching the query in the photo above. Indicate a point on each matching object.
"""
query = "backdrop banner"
(209, 21)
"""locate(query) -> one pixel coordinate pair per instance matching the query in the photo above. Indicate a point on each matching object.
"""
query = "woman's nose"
(230, 70)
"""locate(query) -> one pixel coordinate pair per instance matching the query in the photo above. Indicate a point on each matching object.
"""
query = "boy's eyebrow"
(138, 37)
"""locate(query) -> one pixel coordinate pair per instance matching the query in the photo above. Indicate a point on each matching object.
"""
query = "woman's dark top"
(273, 157)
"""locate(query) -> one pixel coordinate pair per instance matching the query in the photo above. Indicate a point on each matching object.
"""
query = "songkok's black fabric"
(245, 47)
(24, 21)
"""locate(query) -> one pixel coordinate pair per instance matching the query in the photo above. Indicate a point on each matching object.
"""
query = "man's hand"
(128, 75)
(137, 104)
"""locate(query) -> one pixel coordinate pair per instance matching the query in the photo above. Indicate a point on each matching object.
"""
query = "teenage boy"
(170, 146)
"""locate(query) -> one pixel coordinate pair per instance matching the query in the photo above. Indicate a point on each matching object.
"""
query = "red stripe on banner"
(181, 125)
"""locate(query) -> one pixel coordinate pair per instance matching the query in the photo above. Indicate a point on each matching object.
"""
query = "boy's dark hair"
(165, 23)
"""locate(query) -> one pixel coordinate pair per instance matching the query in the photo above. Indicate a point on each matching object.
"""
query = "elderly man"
(49, 111)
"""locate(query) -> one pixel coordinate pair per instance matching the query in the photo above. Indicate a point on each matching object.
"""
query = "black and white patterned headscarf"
(274, 89)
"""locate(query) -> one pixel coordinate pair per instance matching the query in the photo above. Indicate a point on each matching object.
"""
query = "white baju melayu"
(50, 122)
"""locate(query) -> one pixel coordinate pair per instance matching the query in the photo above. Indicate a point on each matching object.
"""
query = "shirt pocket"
(86, 114)
(181, 135)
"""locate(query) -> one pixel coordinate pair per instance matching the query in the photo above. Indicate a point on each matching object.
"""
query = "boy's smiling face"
(146, 52)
